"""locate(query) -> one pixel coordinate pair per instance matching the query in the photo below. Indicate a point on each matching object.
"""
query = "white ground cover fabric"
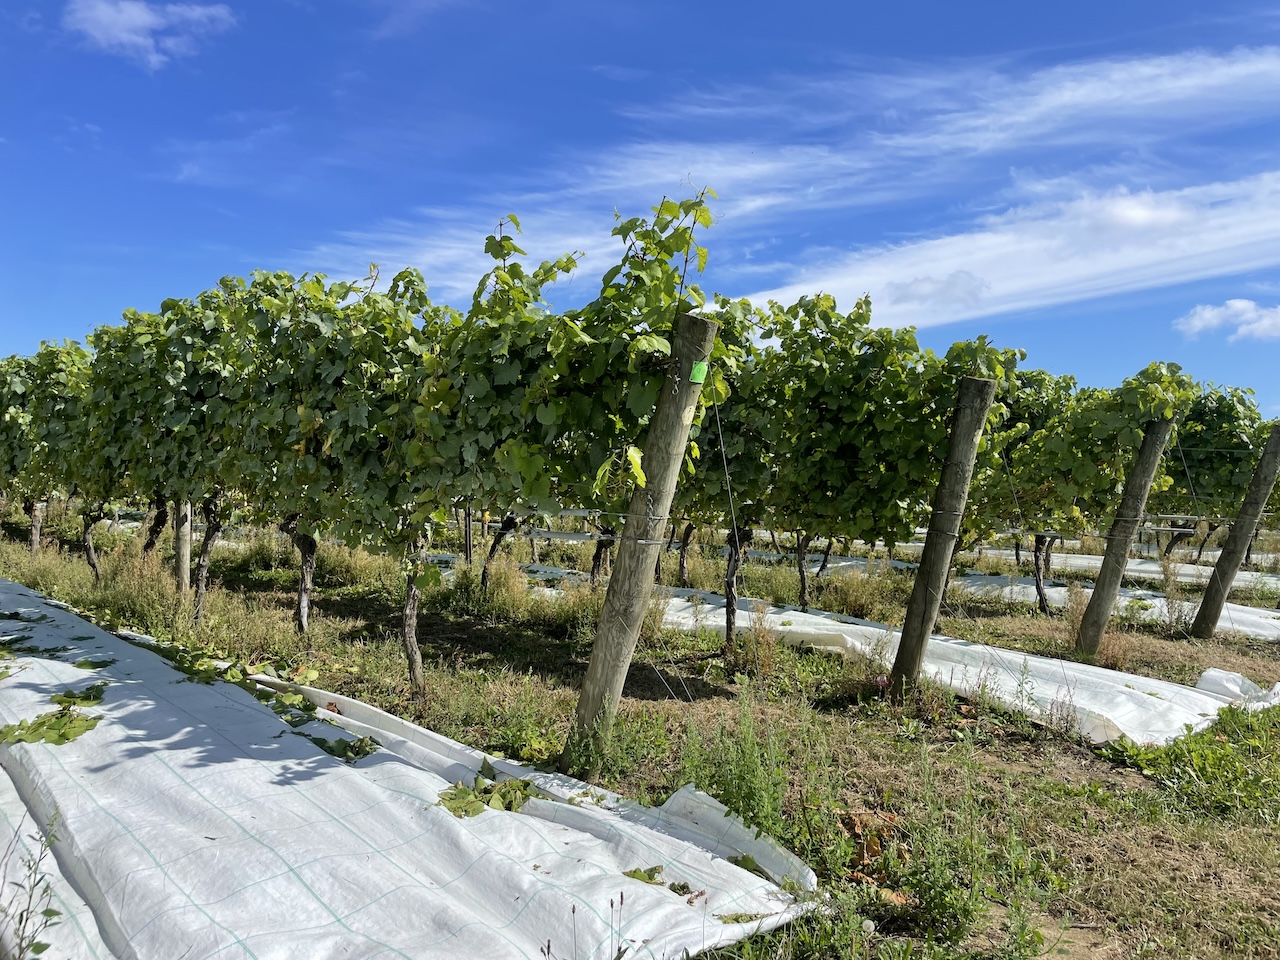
(1100, 704)
(194, 823)
(1151, 605)
(1140, 604)
(1144, 568)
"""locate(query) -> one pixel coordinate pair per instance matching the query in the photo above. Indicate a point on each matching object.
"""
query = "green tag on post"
(699, 372)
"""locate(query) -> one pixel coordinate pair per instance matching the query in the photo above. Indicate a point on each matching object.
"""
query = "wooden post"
(417, 556)
(182, 546)
(1136, 487)
(468, 549)
(33, 511)
(973, 400)
(802, 567)
(739, 539)
(1239, 538)
(631, 585)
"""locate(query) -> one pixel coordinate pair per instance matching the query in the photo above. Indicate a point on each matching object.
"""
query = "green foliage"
(348, 751)
(56, 727)
(651, 875)
(1034, 472)
(833, 426)
(90, 696)
(326, 416)
(486, 794)
(741, 770)
(26, 900)
(1229, 770)
(43, 425)
(1212, 456)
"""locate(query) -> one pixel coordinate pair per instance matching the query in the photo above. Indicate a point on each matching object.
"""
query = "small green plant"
(881, 596)
(741, 769)
(1077, 603)
(752, 651)
(28, 911)
(1179, 611)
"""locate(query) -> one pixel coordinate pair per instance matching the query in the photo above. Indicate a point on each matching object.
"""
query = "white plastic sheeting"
(1143, 568)
(194, 823)
(1151, 605)
(1140, 604)
(1101, 704)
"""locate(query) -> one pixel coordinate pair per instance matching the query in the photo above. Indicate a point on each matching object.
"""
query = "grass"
(941, 828)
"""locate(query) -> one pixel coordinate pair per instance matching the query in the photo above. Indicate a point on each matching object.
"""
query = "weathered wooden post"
(182, 546)
(1137, 485)
(631, 586)
(1239, 538)
(32, 507)
(973, 400)
(416, 555)
(468, 548)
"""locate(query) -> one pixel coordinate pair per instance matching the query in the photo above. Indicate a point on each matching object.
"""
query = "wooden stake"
(973, 400)
(1136, 487)
(182, 546)
(1238, 540)
(631, 585)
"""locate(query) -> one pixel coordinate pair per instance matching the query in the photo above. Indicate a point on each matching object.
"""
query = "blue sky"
(1097, 183)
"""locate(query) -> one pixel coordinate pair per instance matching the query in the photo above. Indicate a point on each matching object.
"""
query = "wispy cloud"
(1025, 228)
(970, 107)
(150, 33)
(1148, 98)
(1245, 318)
(401, 16)
(1060, 252)
(254, 146)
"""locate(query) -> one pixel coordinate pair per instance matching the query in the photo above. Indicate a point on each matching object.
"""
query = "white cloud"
(151, 33)
(960, 287)
(977, 109)
(1105, 217)
(1249, 320)
(405, 16)
(1052, 253)
(1088, 102)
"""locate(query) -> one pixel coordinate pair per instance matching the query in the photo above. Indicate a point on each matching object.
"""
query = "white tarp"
(1100, 704)
(195, 823)
(1140, 604)
(1145, 569)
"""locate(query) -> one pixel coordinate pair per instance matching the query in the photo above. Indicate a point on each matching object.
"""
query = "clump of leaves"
(747, 862)
(740, 917)
(88, 663)
(88, 697)
(348, 751)
(486, 794)
(56, 727)
(646, 874)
